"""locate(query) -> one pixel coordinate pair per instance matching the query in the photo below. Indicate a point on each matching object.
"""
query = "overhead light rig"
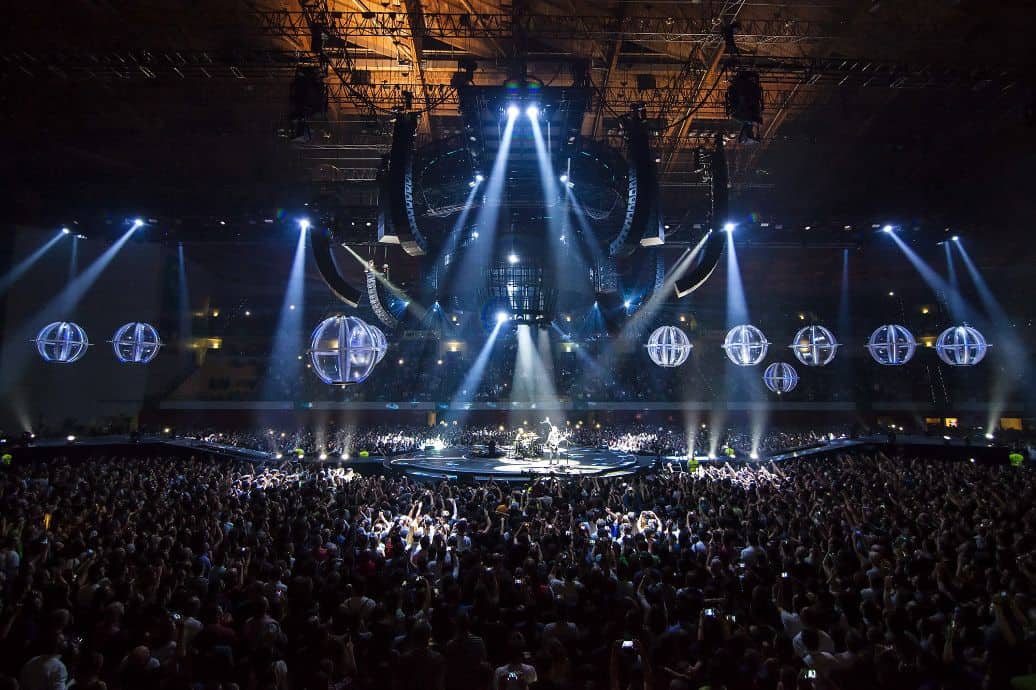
(588, 27)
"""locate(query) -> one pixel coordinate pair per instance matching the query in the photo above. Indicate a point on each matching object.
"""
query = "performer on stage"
(554, 440)
(524, 443)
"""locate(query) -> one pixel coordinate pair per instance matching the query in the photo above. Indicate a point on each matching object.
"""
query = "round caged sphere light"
(668, 346)
(380, 342)
(780, 378)
(814, 346)
(61, 342)
(745, 345)
(136, 343)
(891, 345)
(343, 350)
(961, 346)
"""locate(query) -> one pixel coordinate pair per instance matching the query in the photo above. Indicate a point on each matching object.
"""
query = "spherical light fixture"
(891, 345)
(343, 350)
(961, 346)
(668, 346)
(814, 346)
(61, 342)
(745, 345)
(136, 343)
(780, 378)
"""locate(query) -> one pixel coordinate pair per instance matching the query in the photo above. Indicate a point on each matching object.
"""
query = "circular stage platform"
(461, 462)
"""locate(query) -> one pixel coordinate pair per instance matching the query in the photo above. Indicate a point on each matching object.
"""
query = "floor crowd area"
(856, 572)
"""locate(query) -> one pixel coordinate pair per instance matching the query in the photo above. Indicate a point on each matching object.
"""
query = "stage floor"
(461, 462)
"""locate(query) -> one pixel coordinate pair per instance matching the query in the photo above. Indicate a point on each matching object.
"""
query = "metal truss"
(669, 29)
(144, 65)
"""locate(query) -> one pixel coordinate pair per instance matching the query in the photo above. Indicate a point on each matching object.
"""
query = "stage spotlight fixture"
(137, 222)
(563, 178)
(728, 227)
(474, 234)
(501, 316)
(66, 231)
(887, 228)
(626, 304)
(512, 258)
(512, 111)
(472, 184)
(479, 177)
(989, 436)
(532, 111)
(304, 224)
(955, 238)
(80, 236)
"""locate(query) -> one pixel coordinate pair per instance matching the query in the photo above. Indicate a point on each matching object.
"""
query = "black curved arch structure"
(642, 225)
(325, 260)
(705, 261)
(397, 221)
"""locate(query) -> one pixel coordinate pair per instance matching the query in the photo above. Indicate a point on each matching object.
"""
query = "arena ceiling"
(873, 108)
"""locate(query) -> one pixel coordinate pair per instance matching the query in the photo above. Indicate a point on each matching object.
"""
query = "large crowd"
(853, 572)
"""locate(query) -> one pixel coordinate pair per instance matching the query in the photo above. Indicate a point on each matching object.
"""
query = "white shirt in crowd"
(44, 672)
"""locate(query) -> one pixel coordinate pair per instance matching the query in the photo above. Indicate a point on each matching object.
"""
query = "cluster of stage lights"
(513, 111)
(137, 222)
(532, 111)
(889, 229)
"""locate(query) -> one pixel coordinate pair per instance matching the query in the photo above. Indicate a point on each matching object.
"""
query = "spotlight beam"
(737, 305)
(956, 304)
(23, 266)
(470, 271)
(58, 308)
(737, 313)
(184, 296)
(951, 274)
(589, 236)
(638, 322)
(460, 226)
(419, 310)
(468, 388)
(73, 259)
(284, 362)
(1016, 363)
(567, 257)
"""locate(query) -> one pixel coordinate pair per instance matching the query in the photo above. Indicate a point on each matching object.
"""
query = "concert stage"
(461, 462)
